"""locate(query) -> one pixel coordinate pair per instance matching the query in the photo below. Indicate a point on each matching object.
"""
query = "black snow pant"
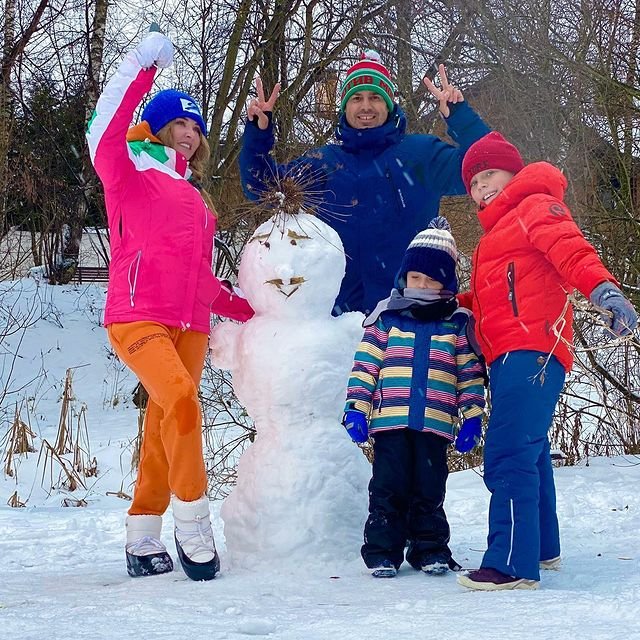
(406, 497)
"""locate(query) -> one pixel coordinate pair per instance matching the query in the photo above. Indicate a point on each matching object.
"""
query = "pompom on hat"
(490, 152)
(434, 253)
(168, 105)
(368, 74)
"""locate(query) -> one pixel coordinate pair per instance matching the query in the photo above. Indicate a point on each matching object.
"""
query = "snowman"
(301, 495)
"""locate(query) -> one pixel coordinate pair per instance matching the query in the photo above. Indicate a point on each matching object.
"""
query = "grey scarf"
(422, 303)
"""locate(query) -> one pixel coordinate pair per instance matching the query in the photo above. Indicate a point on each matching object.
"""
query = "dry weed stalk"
(120, 494)
(227, 430)
(599, 410)
(17, 441)
(15, 502)
(137, 441)
(68, 478)
(74, 502)
(22, 435)
(64, 438)
(82, 461)
(367, 450)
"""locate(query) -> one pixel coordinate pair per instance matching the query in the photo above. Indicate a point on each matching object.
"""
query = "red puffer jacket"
(530, 257)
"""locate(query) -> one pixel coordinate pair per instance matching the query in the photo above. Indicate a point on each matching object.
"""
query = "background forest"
(557, 77)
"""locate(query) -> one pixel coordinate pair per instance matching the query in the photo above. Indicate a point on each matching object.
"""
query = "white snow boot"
(194, 538)
(146, 555)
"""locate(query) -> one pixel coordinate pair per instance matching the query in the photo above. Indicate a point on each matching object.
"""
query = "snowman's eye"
(276, 281)
(297, 280)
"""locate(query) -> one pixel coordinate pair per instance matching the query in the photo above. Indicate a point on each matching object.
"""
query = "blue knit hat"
(168, 105)
(434, 253)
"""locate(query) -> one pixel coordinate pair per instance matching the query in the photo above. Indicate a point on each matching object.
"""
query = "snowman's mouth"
(287, 289)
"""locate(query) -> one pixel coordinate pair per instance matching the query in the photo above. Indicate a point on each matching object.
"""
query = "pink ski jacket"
(161, 231)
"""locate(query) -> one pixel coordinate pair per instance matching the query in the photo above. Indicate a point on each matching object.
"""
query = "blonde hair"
(198, 162)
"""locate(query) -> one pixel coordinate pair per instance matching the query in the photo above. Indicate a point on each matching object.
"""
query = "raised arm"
(464, 126)
(260, 108)
(107, 129)
(258, 169)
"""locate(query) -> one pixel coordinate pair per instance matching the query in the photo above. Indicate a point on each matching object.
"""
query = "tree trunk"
(6, 108)
(404, 60)
(69, 255)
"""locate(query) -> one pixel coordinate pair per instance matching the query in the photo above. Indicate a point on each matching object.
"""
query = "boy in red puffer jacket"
(531, 255)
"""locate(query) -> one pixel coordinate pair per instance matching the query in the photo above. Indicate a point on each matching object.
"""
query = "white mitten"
(154, 48)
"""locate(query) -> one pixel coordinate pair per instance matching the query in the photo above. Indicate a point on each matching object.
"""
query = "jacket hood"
(376, 138)
(141, 140)
(537, 178)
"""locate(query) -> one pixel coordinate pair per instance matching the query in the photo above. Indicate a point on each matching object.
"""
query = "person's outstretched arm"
(107, 129)
(464, 126)
(258, 170)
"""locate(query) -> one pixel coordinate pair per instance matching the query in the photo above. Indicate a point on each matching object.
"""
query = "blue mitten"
(355, 422)
(624, 317)
(469, 434)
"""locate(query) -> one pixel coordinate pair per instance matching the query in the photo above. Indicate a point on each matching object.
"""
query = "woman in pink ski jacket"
(161, 293)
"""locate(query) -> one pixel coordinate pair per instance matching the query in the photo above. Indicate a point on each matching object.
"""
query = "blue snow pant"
(523, 525)
(406, 497)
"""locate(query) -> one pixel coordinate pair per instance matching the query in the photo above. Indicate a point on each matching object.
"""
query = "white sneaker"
(194, 538)
(552, 564)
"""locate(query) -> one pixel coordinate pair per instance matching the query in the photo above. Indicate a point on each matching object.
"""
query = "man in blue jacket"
(379, 186)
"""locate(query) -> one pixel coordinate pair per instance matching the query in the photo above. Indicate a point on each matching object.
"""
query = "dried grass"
(17, 441)
(74, 502)
(61, 473)
(64, 438)
(15, 502)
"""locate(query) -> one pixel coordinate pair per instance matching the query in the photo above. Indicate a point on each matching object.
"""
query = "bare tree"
(76, 221)
(13, 47)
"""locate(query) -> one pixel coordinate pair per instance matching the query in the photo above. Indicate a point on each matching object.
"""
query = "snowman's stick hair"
(297, 189)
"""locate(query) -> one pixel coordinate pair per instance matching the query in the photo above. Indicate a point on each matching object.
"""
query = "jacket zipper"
(474, 268)
(398, 194)
(134, 282)
(511, 279)
(381, 398)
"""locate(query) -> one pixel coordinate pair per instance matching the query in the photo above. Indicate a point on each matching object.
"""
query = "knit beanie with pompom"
(368, 74)
(434, 253)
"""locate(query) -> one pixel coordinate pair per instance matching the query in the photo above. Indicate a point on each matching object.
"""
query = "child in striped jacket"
(415, 370)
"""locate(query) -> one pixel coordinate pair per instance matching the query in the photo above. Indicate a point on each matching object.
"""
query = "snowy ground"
(63, 574)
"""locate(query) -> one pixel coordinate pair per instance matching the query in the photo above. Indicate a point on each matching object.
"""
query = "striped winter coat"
(416, 374)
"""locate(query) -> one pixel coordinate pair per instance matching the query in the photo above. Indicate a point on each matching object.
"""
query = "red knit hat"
(490, 152)
(369, 74)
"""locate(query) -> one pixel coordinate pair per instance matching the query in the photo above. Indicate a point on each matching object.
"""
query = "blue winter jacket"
(377, 188)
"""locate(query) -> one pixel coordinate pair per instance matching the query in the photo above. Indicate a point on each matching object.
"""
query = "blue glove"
(355, 422)
(469, 434)
(608, 297)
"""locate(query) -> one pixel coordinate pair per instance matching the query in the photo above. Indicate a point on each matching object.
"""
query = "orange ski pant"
(168, 362)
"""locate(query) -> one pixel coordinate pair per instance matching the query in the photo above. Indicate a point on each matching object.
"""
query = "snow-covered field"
(62, 569)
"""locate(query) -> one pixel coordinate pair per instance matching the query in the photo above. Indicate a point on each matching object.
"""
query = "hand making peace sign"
(259, 107)
(447, 93)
